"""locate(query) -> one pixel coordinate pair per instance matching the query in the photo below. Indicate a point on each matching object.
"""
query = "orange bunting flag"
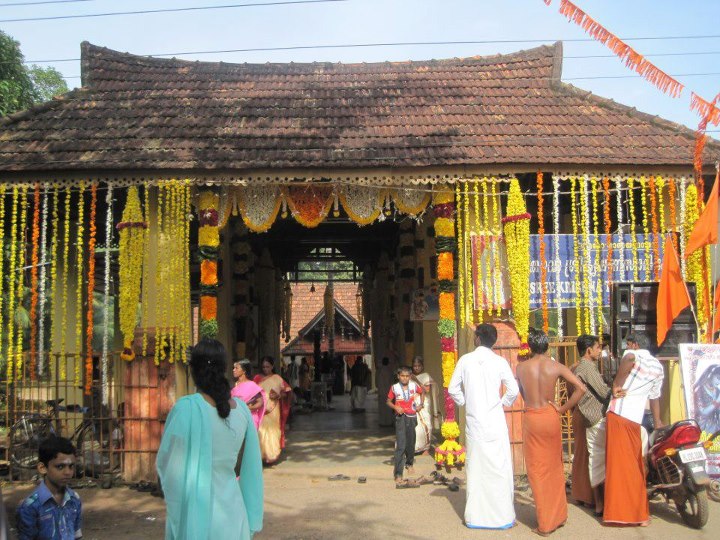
(630, 56)
(706, 109)
(672, 294)
(705, 231)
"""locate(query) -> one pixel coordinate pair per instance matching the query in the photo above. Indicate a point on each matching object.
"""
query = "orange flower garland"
(208, 272)
(447, 305)
(608, 230)
(309, 204)
(445, 265)
(90, 289)
(541, 241)
(208, 307)
(34, 289)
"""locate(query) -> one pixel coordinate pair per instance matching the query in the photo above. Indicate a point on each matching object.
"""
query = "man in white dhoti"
(475, 384)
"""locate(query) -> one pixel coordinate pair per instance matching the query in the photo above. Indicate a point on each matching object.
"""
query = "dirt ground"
(302, 504)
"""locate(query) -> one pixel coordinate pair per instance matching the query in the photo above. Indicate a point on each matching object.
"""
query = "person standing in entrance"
(475, 382)
(401, 399)
(640, 376)
(359, 380)
(542, 433)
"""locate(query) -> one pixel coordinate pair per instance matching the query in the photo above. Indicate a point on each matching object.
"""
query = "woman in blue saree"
(206, 436)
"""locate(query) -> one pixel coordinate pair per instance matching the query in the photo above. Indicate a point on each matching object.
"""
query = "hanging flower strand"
(619, 209)
(2, 265)
(42, 293)
(79, 286)
(34, 277)
(608, 235)
(20, 275)
(12, 270)
(655, 228)
(576, 254)
(90, 291)
(633, 230)
(673, 213)
(106, 294)
(556, 248)
(517, 242)
(543, 262)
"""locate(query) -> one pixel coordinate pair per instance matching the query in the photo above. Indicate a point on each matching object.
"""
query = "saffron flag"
(705, 231)
(672, 294)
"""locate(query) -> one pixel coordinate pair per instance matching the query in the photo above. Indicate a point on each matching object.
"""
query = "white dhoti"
(596, 437)
(490, 488)
(357, 397)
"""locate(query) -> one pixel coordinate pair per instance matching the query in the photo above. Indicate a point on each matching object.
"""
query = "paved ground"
(301, 503)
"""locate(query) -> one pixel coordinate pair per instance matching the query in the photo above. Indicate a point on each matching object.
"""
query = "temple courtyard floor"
(302, 503)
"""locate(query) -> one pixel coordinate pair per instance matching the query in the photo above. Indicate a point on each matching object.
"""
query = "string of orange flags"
(637, 62)
(700, 134)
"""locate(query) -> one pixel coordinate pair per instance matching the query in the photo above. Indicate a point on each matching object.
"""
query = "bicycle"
(27, 433)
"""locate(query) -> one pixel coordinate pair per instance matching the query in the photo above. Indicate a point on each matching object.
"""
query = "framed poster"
(700, 365)
(424, 305)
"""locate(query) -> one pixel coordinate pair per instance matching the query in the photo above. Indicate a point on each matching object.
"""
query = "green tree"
(16, 86)
(47, 82)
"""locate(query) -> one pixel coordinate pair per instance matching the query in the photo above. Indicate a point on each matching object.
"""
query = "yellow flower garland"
(576, 255)
(12, 282)
(517, 242)
(497, 271)
(130, 262)
(485, 228)
(462, 261)
(2, 259)
(444, 227)
(597, 248)
(447, 363)
(65, 286)
(20, 291)
(366, 220)
(584, 232)
(478, 283)
(646, 230)
(633, 230)
(403, 207)
(80, 241)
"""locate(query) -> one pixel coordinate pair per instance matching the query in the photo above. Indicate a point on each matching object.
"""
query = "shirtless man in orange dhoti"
(542, 438)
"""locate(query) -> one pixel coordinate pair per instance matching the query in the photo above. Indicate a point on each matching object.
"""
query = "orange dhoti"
(626, 501)
(581, 489)
(542, 445)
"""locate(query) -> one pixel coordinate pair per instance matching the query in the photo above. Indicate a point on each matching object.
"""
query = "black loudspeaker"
(633, 308)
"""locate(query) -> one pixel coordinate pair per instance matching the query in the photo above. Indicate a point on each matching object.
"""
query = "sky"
(502, 25)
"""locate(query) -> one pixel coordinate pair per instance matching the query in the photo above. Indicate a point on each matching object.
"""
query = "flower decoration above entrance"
(309, 204)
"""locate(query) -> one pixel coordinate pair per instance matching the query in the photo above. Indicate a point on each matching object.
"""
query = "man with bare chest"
(542, 438)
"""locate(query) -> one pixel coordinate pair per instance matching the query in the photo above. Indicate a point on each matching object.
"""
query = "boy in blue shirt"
(53, 511)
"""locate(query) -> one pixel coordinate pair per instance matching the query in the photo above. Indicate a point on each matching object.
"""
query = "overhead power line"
(171, 10)
(389, 44)
(44, 2)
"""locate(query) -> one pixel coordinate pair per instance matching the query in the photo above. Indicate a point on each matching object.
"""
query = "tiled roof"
(138, 113)
(306, 305)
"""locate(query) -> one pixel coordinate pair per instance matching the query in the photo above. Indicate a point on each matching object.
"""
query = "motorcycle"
(677, 469)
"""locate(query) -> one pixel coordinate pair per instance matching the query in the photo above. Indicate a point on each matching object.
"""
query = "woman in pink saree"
(252, 394)
(277, 410)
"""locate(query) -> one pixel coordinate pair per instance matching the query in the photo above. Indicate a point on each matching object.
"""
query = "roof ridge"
(93, 53)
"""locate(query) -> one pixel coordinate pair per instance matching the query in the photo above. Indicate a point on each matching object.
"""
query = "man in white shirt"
(640, 376)
(475, 384)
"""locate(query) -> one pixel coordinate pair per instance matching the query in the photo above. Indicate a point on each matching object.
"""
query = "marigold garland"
(477, 282)
(576, 255)
(309, 204)
(488, 272)
(207, 202)
(646, 229)
(633, 229)
(543, 261)
(2, 266)
(444, 227)
(449, 453)
(130, 260)
(596, 277)
(62, 359)
(655, 231)
(497, 270)
(556, 245)
(608, 232)
(673, 212)
(106, 295)
(588, 299)
(517, 244)
(619, 210)
(79, 289)
(12, 280)
(34, 289)
(20, 291)
(90, 290)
